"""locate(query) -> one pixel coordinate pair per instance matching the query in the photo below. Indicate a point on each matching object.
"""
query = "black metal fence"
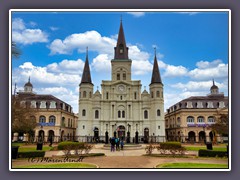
(104, 139)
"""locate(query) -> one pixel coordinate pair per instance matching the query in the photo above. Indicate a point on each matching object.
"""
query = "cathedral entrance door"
(146, 135)
(96, 134)
(121, 132)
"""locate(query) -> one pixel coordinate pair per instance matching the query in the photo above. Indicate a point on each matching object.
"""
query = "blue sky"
(192, 49)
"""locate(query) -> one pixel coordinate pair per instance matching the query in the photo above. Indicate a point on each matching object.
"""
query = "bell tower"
(121, 64)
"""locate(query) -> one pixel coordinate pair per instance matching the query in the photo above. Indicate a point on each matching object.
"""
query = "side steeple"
(86, 76)
(156, 78)
(121, 50)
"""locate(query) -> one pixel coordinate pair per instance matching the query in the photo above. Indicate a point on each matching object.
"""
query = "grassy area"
(191, 165)
(32, 148)
(59, 165)
(196, 148)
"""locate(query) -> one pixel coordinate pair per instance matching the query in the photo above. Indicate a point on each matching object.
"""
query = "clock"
(121, 88)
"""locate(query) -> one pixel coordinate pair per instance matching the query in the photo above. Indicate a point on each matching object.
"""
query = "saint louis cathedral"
(121, 109)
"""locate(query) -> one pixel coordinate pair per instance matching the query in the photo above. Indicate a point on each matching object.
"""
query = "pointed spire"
(213, 82)
(86, 76)
(121, 50)
(29, 79)
(156, 78)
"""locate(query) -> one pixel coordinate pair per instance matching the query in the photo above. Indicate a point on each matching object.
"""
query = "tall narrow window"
(118, 76)
(152, 94)
(123, 114)
(83, 112)
(42, 119)
(135, 95)
(96, 114)
(119, 114)
(158, 112)
(52, 119)
(120, 97)
(124, 76)
(145, 114)
(121, 48)
(90, 94)
(158, 94)
(107, 95)
(84, 94)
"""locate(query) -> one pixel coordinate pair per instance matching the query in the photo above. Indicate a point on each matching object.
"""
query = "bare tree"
(23, 117)
(222, 124)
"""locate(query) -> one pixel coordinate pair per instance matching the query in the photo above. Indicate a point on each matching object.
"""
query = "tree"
(222, 124)
(23, 117)
(15, 50)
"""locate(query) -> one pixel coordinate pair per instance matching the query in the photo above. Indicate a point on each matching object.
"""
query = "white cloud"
(197, 86)
(137, 14)
(20, 34)
(18, 24)
(54, 28)
(67, 66)
(141, 67)
(101, 63)
(79, 41)
(209, 70)
(188, 13)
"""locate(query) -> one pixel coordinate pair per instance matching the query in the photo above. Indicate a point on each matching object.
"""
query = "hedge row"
(211, 153)
(66, 144)
(31, 154)
(170, 145)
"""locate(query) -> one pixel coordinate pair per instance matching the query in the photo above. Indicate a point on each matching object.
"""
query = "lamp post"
(204, 134)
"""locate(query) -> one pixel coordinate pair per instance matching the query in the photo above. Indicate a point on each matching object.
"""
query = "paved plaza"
(127, 158)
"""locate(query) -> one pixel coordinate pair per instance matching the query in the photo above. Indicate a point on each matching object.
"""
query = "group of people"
(116, 142)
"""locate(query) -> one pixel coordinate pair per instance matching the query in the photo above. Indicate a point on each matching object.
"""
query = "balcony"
(46, 124)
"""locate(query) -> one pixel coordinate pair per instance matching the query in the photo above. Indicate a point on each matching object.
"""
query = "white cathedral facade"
(121, 109)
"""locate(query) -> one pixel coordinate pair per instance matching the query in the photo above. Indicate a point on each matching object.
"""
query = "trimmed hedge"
(170, 145)
(31, 154)
(64, 145)
(211, 153)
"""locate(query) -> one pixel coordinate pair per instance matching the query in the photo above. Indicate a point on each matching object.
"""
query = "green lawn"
(191, 165)
(31, 148)
(59, 165)
(196, 148)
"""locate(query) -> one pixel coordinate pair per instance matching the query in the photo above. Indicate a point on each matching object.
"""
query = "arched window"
(118, 76)
(152, 94)
(119, 114)
(63, 122)
(120, 97)
(84, 94)
(190, 119)
(158, 94)
(200, 119)
(145, 114)
(211, 119)
(83, 112)
(96, 114)
(123, 114)
(158, 112)
(121, 48)
(52, 119)
(42, 119)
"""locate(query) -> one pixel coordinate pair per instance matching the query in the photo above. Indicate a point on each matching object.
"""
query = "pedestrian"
(121, 143)
(112, 141)
(50, 140)
(117, 143)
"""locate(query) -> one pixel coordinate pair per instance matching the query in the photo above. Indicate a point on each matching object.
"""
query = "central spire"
(86, 76)
(121, 50)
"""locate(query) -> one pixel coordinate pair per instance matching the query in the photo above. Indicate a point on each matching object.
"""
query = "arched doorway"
(121, 132)
(41, 136)
(51, 135)
(146, 135)
(96, 134)
(202, 136)
(191, 136)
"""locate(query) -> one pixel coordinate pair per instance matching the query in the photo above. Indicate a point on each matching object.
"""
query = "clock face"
(121, 88)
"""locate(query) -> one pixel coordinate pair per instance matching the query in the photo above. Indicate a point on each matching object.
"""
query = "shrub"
(172, 148)
(211, 153)
(31, 154)
(78, 147)
(149, 149)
